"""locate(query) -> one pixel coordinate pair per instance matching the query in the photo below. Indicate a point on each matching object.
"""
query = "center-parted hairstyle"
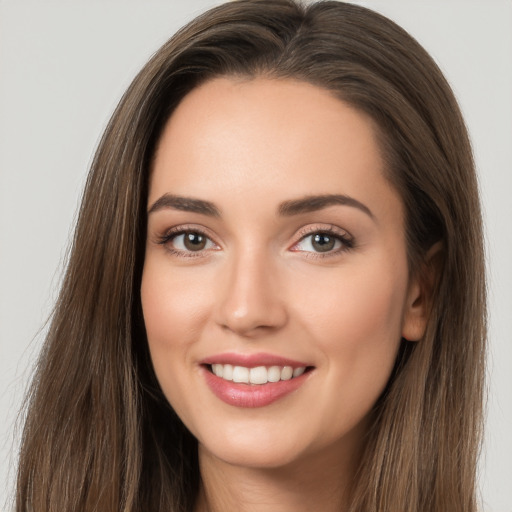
(99, 434)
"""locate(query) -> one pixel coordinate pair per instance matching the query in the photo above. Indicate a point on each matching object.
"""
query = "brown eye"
(323, 242)
(188, 242)
(194, 241)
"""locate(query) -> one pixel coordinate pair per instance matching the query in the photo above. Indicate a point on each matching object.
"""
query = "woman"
(275, 297)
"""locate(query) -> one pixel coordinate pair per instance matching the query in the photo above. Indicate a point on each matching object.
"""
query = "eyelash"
(182, 230)
(347, 242)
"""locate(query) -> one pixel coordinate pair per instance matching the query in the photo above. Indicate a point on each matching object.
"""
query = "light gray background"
(63, 67)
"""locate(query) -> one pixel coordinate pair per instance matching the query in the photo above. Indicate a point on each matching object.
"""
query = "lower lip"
(251, 395)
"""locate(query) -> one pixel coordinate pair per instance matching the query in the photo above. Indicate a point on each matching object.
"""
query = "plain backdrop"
(64, 66)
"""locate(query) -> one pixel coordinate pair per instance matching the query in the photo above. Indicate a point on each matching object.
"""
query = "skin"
(259, 285)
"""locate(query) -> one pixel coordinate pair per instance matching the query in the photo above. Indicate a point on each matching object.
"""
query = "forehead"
(258, 138)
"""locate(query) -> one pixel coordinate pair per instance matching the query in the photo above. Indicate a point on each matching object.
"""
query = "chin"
(251, 455)
(268, 446)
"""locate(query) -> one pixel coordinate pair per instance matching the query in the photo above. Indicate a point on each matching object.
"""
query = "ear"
(420, 294)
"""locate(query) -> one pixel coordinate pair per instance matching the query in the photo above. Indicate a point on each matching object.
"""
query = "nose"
(251, 301)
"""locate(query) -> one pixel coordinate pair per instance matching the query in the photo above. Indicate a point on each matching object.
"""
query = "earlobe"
(416, 312)
(421, 293)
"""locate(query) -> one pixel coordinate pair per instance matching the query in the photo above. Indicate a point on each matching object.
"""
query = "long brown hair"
(99, 434)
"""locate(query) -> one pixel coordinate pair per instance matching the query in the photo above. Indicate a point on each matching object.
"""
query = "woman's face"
(275, 249)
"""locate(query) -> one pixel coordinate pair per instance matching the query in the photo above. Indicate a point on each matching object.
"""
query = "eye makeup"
(315, 241)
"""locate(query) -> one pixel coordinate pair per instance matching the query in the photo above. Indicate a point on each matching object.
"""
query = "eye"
(186, 242)
(323, 242)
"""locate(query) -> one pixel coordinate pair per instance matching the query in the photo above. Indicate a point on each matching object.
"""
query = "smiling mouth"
(258, 375)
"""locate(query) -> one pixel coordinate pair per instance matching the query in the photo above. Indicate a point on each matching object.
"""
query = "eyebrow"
(313, 203)
(186, 204)
(286, 209)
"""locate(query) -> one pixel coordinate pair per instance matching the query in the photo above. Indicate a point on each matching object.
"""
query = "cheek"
(174, 305)
(358, 332)
(356, 305)
(175, 309)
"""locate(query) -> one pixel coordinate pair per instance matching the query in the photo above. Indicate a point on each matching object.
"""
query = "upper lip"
(252, 360)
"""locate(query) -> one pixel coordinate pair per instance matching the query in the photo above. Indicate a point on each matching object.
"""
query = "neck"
(321, 482)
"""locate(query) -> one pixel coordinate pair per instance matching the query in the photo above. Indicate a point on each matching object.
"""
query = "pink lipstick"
(253, 380)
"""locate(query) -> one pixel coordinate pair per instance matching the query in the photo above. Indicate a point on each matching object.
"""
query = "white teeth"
(297, 372)
(241, 374)
(217, 369)
(286, 373)
(227, 372)
(274, 374)
(257, 375)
